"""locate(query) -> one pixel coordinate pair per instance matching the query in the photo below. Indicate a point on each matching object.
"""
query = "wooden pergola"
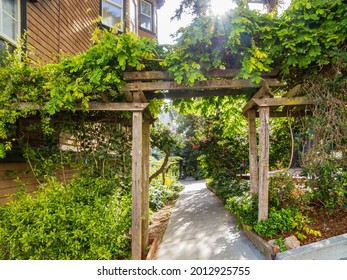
(145, 85)
(264, 105)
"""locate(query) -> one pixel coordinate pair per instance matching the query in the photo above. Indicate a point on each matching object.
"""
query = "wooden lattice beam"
(282, 101)
(94, 106)
(193, 93)
(209, 84)
(164, 76)
(264, 91)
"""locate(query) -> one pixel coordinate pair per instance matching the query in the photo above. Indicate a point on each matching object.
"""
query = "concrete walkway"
(200, 228)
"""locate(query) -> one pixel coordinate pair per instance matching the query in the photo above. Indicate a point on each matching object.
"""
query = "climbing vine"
(308, 36)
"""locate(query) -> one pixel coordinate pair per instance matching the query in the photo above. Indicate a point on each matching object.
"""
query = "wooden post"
(263, 206)
(136, 190)
(145, 186)
(253, 152)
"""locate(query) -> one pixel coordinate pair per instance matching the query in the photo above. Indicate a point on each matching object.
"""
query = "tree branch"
(161, 169)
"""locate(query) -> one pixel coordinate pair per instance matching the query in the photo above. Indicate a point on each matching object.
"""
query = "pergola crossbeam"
(209, 84)
(93, 106)
(164, 76)
(175, 94)
(282, 101)
(262, 92)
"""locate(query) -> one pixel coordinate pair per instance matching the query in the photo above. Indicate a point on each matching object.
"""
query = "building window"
(9, 20)
(133, 23)
(112, 12)
(146, 15)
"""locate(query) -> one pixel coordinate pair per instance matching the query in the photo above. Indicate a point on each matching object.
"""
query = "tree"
(200, 8)
(167, 142)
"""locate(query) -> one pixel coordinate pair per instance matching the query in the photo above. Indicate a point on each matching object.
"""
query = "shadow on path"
(201, 228)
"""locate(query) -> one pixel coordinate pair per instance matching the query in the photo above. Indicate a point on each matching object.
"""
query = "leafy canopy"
(305, 38)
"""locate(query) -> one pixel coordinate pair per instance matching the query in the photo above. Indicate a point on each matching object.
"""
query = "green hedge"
(86, 219)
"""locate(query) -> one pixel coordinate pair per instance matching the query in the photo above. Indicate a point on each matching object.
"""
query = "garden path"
(200, 228)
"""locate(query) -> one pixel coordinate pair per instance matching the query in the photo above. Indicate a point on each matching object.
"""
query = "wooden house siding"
(17, 175)
(65, 25)
(76, 24)
(150, 35)
(43, 29)
(60, 25)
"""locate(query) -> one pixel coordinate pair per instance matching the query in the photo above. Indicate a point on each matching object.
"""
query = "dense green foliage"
(245, 207)
(85, 219)
(226, 187)
(309, 34)
(89, 217)
(96, 74)
(283, 221)
(220, 156)
(324, 141)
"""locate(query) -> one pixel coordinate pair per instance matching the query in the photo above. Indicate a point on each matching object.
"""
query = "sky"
(166, 27)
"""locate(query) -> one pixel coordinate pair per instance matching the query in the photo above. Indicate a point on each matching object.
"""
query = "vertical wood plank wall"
(60, 25)
(14, 175)
(66, 25)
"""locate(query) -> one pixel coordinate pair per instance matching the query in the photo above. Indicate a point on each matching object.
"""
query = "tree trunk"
(161, 169)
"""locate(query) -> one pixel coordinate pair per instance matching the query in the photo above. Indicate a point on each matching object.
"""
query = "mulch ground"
(328, 224)
(159, 221)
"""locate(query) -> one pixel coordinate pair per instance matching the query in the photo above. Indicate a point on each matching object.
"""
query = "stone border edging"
(333, 248)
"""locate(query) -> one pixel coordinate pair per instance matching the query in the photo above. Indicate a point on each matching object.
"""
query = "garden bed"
(157, 227)
(330, 225)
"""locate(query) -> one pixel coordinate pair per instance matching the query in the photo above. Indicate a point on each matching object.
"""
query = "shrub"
(160, 194)
(328, 183)
(285, 220)
(226, 187)
(86, 219)
(284, 192)
(245, 208)
(279, 221)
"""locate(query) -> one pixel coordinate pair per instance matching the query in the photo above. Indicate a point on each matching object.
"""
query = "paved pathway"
(200, 228)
